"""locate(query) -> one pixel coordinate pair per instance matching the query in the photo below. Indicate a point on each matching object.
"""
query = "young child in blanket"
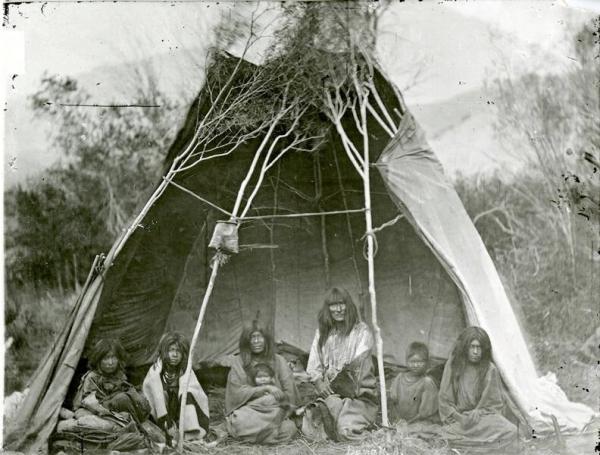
(263, 374)
(413, 394)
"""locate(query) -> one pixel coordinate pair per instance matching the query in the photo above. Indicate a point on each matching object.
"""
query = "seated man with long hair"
(257, 411)
(341, 368)
(163, 386)
(472, 399)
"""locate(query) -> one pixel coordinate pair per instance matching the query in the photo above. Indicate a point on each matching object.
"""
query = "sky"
(72, 38)
(435, 51)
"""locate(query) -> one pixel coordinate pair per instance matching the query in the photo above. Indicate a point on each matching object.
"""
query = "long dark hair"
(461, 351)
(105, 346)
(178, 339)
(326, 322)
(245, 351)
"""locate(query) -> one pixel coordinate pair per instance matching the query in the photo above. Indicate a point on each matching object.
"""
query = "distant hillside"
(459, 129)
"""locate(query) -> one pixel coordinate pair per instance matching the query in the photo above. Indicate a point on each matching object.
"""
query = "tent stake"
(371, 267)
(188, 369)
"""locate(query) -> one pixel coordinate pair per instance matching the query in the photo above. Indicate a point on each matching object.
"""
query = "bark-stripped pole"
(371, 262)
(219, 257)
(116, 249)
(255, 160)
(188, 368)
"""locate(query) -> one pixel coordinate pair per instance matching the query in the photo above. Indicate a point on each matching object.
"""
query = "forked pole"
(363, 172)
(219, 259)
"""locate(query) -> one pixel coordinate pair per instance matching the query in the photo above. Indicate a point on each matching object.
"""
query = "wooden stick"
(300, 215)
(371, 266)
(188, 369)
(319, 195)
(245, 182)
(206, 201)
(560, 442)
(386, 114)
(349, 227)
(118, 245)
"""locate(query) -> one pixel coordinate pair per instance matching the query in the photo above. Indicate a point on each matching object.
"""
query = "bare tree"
(550, 125)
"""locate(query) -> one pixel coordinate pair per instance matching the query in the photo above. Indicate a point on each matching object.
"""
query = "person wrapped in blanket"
(258, 400)
(109, 411)
(473, 402)
(341, 368)
(163, 387)
(414, 394)
(263, 375)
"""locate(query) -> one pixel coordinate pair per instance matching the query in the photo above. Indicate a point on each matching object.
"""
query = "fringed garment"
(345, 362)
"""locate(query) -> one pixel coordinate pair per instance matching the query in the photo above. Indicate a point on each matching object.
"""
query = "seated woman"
(109, 412)
(413, 394)
(471, 398)
(104, 389)
(163, 387)
(341, 368)
(250, 415)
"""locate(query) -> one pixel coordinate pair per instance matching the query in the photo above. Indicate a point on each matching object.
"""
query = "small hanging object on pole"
(225, 237)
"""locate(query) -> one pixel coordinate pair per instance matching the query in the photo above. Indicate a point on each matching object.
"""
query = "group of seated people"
(109, 411)
(262, 404)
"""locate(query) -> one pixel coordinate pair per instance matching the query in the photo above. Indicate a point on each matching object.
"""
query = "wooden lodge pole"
(371, 266)
(188, 368)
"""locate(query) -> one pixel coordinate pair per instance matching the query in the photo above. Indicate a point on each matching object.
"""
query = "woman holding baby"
(260, 391)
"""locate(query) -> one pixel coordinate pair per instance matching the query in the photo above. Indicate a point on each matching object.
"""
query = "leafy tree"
(110, 159)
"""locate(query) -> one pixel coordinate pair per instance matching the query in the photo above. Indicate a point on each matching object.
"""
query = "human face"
(257, 342)
(475, 351)
(263, 378)
(109, 363)
(338, 311)
(417, 364)
(174, 355)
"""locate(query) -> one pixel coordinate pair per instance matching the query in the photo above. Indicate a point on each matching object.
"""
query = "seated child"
(263, 375)
(163, 387)
(413, 394)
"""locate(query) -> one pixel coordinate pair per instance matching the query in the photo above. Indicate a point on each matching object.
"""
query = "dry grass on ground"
(389, 442)
(379, 442)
